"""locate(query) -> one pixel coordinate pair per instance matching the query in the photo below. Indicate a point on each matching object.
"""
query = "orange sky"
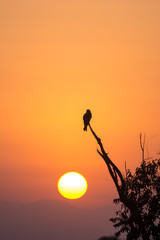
(59, 58)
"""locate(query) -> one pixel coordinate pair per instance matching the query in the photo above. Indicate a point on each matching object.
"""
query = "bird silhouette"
(86, 118)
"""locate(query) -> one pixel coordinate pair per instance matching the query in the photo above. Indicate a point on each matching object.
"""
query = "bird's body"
(86, 118)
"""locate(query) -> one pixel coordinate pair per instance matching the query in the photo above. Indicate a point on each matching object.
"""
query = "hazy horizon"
(53, 219)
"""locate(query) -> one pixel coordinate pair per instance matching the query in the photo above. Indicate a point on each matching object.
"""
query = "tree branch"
(114, 171)
(142, 145)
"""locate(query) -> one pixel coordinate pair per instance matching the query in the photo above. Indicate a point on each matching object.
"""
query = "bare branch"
(142, 145)
(108, 161)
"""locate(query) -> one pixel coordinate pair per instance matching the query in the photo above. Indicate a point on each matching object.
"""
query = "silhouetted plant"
(142, 187)
(108, 238)
(138, 194)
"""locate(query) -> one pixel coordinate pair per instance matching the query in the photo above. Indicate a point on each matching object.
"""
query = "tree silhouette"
(107, 238)
(125, 195)
(144, 188)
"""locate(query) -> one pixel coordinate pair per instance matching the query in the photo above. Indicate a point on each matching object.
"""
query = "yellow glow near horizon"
(72, 185)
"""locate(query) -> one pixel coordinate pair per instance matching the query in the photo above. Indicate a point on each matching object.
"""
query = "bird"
(86, 118)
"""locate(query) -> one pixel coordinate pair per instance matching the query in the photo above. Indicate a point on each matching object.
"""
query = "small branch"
(140, 138)
(100, 153)
(98, 140)
(142, 145)
(114, 171)
(126, 168)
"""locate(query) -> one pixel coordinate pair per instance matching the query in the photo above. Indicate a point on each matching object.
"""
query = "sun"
(72, 185)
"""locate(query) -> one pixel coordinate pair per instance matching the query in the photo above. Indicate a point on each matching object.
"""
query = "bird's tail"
(85, 128)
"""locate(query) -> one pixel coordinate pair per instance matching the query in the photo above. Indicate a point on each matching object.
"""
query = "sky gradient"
(59, 58)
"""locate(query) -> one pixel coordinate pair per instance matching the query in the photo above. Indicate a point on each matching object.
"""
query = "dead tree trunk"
(120, 186)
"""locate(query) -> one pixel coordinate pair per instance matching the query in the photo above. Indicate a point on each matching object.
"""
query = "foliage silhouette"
(107, 238)
(143, 187)
(133, 219)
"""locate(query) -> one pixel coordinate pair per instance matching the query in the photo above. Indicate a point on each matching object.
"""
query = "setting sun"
(72, 185)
